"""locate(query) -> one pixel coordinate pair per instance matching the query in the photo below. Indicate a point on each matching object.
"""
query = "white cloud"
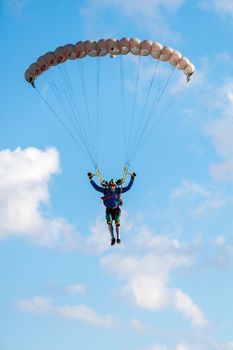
(198, 344)
(15, 7)
(224, 253)
(87, 315)
(182, 346)
(185, 304)
(24, 180)
(221, 346)
(75, 289)
(219, 240)
(41, 305)
(188, 188)
(137, 325)
(148, 9)
(155, 242)
(149, 15)
(220, 130)
(157, 347)
(223, 57)
(197, 199)
(208, 206)
(217, 100)
(99, 239)
(38, 304)
(221, 7)
(228, 346)
(147, 278)
(223, 171)
(147, 291)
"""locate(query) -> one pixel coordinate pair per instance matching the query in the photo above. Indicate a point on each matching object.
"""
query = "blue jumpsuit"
(112, 200)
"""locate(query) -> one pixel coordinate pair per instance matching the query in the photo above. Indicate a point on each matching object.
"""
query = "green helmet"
(112, 182)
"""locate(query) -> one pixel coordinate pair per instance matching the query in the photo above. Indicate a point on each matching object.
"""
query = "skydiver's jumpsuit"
(112, 201)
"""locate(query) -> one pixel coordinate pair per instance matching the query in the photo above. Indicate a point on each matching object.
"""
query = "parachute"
(72, 90)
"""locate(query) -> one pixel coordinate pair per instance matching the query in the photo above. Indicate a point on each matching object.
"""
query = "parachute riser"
(119, 182)
(98, 176)
(125, 173)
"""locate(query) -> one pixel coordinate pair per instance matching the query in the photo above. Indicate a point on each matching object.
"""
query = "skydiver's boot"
(113, 239)
(118, 233)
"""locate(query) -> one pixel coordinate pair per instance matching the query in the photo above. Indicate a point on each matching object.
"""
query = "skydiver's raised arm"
(130, 184)
(96, 187)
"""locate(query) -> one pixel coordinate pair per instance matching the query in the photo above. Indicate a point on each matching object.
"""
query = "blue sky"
(169, 285)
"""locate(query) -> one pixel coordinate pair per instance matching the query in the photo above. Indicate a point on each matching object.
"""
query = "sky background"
(169, 285)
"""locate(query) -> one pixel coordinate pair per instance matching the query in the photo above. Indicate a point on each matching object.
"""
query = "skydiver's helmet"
(112, 184)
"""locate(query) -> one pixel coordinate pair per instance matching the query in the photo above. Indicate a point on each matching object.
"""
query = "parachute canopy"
(72, 101)
(112, 47)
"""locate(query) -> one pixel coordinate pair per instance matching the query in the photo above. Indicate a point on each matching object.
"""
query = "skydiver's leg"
(118, 233)
(117, 222)
(113, 239)
(110, 227)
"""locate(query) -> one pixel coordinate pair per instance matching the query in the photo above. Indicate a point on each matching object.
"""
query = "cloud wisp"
(15, 7)
(151, 16)
(221, 7)
(81, 312)
(224, 251)
(220, 130)
(197, 344)
(75, 289)
(197, 199)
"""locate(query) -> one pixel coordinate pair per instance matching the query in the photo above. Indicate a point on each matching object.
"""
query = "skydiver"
(112, 200)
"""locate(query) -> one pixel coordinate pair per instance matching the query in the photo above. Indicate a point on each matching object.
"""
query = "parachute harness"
(105, 184)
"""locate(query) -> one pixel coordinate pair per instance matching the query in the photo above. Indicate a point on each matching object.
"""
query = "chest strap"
(110, 197)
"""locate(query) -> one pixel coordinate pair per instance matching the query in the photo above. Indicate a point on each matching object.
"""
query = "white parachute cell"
(50, 58)
(90, 48)
(69, 51)
(189, 69)
(42, 64)
(59, 54)
(135, 46)
(28, 75)
(113, 47)
(156, 50)
(182, 63)
(165, 53)
(102, 47)
(35, 69)
(124, 46)
(146, 47)
(80, 49)
(175, 57)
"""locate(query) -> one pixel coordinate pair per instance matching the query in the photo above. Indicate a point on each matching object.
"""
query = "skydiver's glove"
(90, 175)
(119, 182)
(104, 183)
(133, 175)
